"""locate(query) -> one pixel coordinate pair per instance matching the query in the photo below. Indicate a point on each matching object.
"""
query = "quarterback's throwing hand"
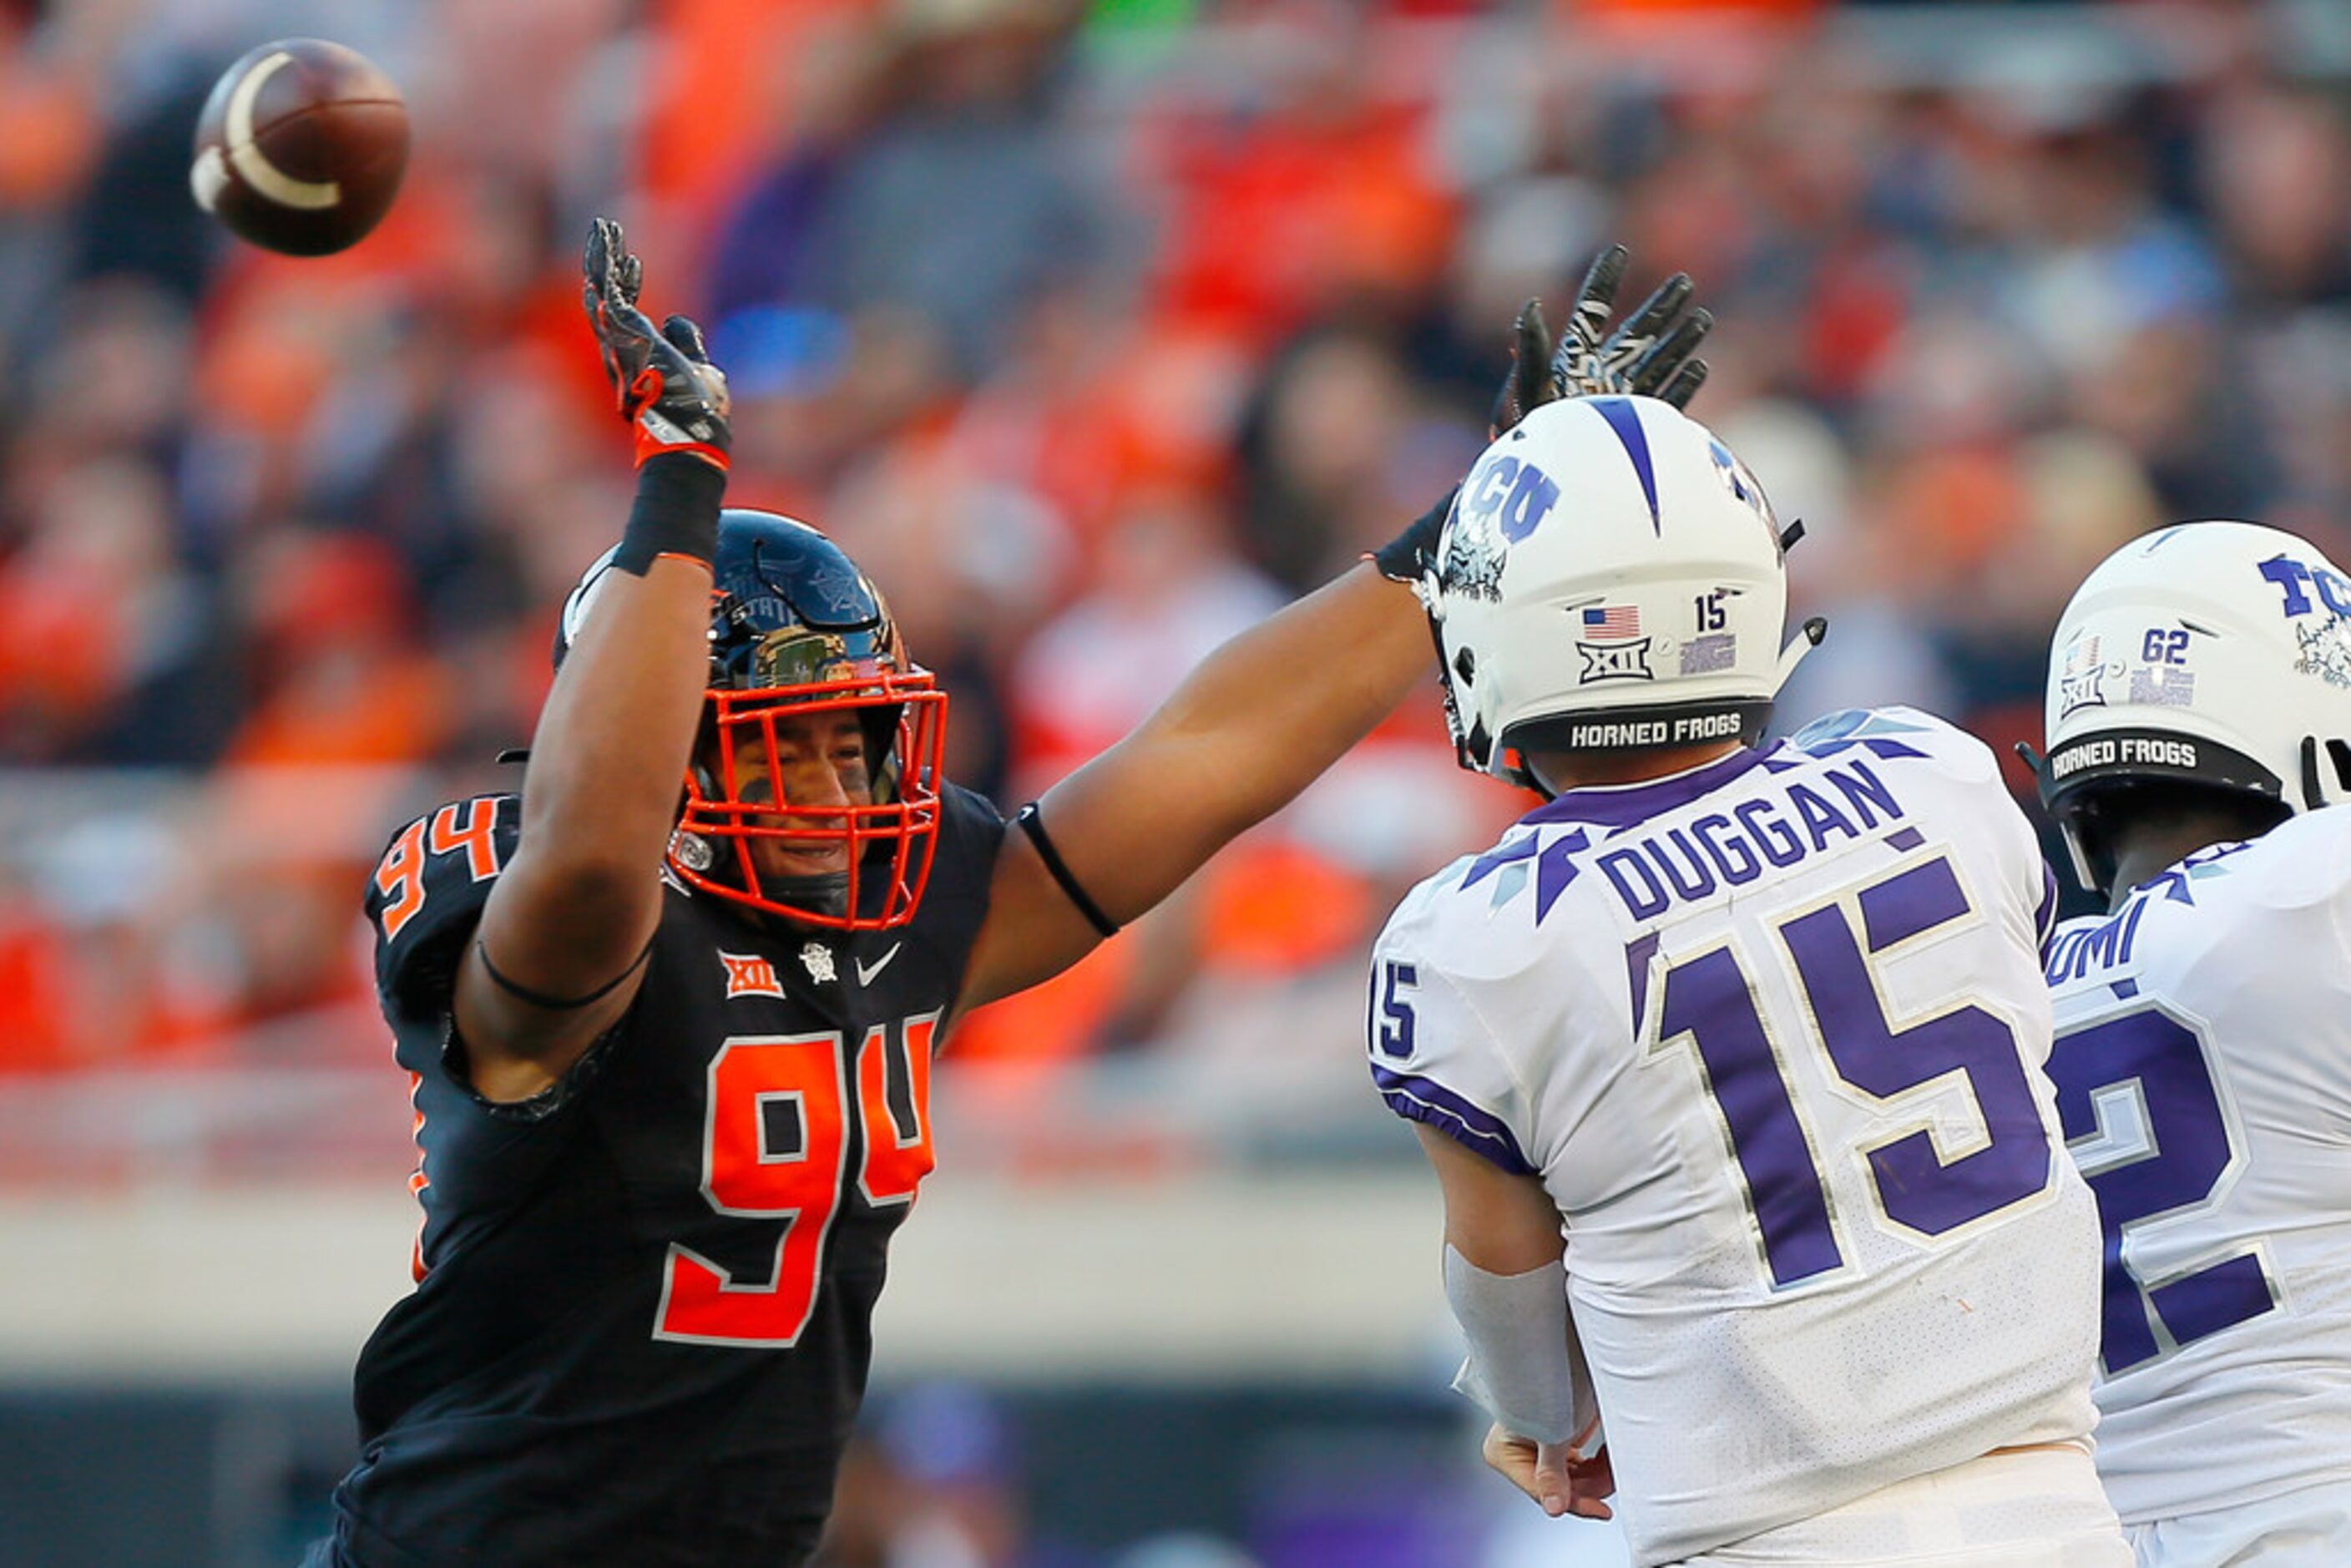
(669, 392)
(1556, 1475)
(1649, 354)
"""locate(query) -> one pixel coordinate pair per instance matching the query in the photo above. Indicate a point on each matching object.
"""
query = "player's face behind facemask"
(2200, 674)
(812, 795)
(1608, 595)
(795, 806)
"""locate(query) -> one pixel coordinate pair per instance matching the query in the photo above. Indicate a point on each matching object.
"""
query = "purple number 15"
(1710, 999)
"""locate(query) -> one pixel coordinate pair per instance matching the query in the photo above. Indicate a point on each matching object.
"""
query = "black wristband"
(676, 512)
(1031, 821)
(1407, 557)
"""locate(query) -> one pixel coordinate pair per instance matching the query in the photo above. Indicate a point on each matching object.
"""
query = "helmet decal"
(2326, 650)
(2161, 676)
(1626, 422)
(795, 655)
(2316, 601)
(2333, 590)
(1746, 489)
(1611, 644)
(1471, 563)
(2083, 673)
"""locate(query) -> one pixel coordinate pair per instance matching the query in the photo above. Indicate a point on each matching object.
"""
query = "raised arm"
(1271, 709)
(557, 955)
(1251, 726)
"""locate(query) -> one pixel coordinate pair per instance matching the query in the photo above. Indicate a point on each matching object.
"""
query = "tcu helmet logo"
(2326, 643)
(1503, 500)
(2300, 580)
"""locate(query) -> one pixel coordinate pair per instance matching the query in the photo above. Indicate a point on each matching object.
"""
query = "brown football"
(300, 147)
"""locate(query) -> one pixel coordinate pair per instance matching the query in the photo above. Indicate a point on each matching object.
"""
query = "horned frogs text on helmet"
(1610, 579)
(796, 628)
(2214, 653)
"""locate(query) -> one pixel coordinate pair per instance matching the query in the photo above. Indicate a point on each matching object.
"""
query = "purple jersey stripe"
(1479, 1131)
(1622, 806)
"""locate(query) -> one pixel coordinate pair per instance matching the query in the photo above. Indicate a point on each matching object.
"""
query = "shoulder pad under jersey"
(427, 893)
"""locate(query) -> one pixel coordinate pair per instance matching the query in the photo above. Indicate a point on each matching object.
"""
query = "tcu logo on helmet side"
(1514, 495)
(2324, 647)
(2298, 579)
(1504, 499)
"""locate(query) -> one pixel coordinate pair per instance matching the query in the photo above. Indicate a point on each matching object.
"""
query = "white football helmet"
(2211, 653)
(1609, 579)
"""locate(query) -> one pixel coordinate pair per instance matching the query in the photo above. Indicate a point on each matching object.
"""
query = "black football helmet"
(796, 631)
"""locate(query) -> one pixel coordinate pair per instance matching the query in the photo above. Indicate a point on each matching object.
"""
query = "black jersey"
(641, 1322)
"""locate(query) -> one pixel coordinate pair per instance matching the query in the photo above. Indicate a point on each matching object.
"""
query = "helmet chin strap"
(825, 892)
(1807, 638)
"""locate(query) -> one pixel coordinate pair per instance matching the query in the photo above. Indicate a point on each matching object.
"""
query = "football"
(300, 147)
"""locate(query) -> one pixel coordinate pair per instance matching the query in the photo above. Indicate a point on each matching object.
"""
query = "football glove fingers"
(1649, 354)
(1656, 365)
(1574, 359)
(664, 382)
(1641, 330)
(687, 339)
(1588, 365)
(1685, 383)
(1527, 385)
(1644, 353)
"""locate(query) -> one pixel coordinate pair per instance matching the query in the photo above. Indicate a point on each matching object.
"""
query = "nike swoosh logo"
(865, 974)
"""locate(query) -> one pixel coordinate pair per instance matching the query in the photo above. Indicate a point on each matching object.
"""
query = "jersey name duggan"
(1778, 827)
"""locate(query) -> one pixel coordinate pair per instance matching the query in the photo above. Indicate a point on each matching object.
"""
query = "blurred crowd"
(1094, 332)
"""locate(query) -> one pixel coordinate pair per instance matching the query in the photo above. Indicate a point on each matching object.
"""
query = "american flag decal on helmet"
(1612, 622)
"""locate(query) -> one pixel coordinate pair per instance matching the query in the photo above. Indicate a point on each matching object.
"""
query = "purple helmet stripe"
(1625, 421)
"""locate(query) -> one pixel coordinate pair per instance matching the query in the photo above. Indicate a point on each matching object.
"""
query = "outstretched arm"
(1271, 709)
(1248, 729)
(556, 956)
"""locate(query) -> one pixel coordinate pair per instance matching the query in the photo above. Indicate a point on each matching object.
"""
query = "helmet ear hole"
(2338, 752)
(1465, 667)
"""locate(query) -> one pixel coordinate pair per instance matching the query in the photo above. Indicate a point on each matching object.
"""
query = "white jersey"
(2204, 1075)
(1770, 1031)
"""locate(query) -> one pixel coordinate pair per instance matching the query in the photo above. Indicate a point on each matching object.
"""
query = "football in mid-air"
(300, 147)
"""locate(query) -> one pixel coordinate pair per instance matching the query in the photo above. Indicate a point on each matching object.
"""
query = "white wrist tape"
(1525, 1366)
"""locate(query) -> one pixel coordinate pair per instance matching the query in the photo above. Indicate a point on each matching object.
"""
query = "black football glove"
(669, 392)
(1649, 355)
